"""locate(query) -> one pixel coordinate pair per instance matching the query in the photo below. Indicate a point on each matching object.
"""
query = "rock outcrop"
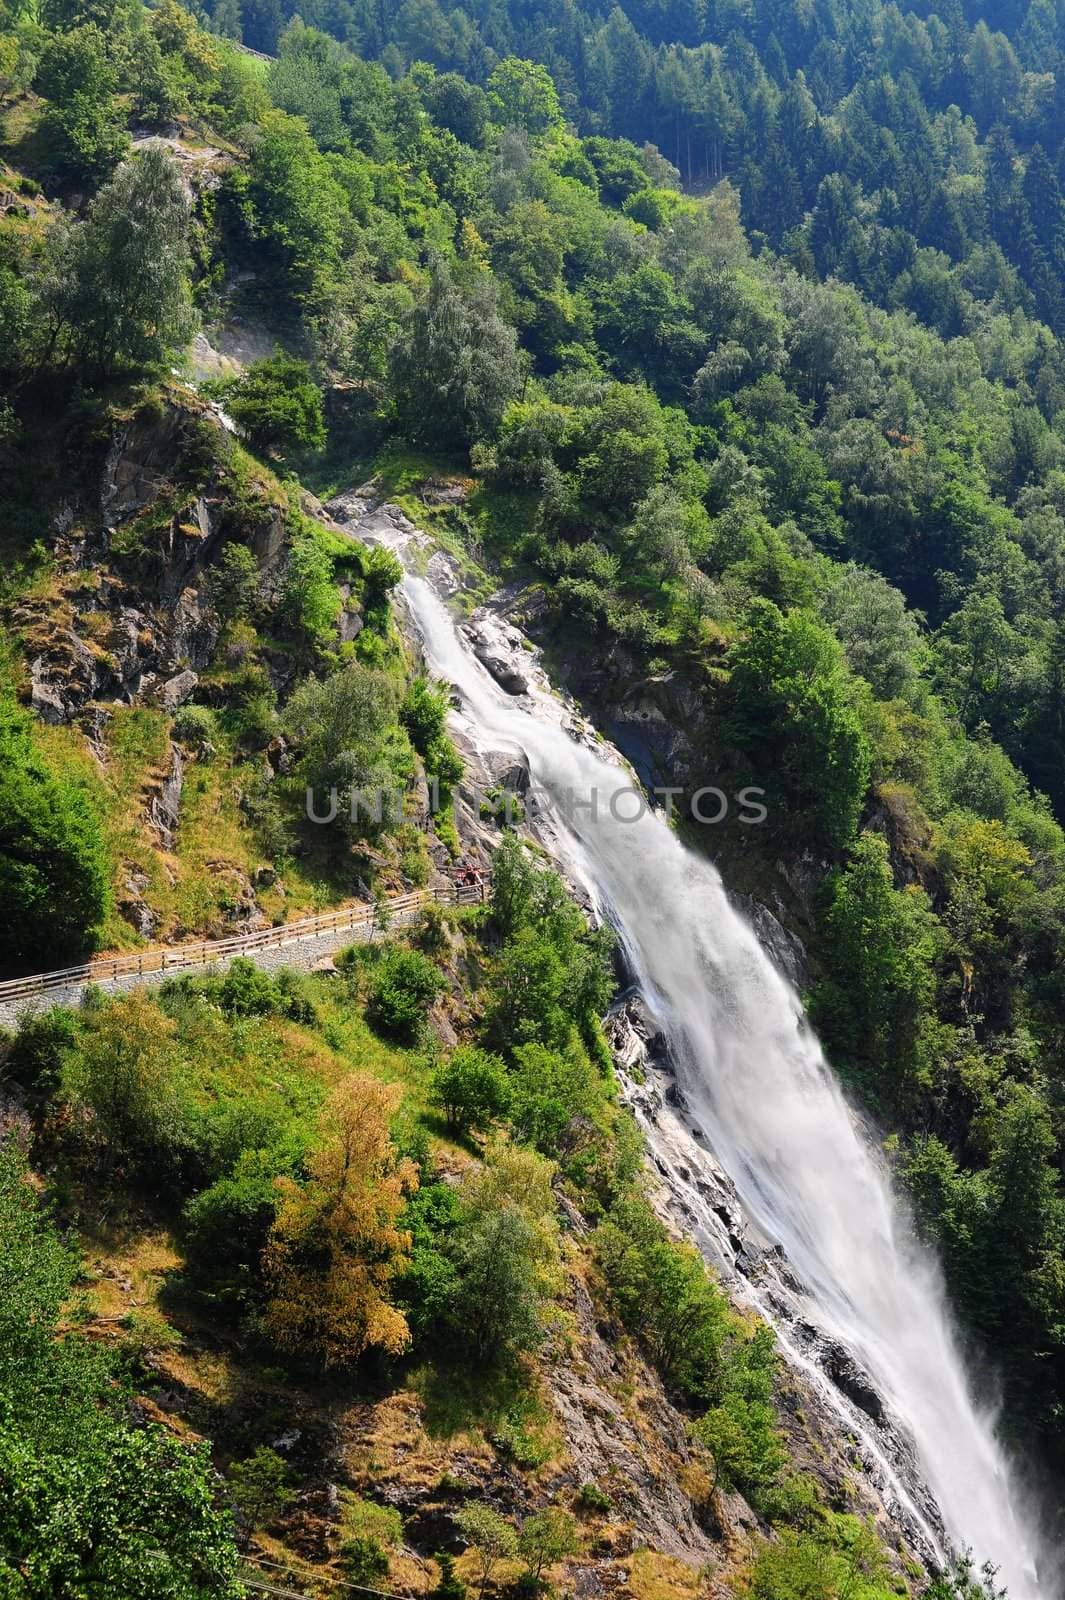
(130, 617)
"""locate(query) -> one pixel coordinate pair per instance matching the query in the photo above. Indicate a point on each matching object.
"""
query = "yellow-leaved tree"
(334, 1247)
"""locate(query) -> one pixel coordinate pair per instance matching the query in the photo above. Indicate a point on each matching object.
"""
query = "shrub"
(363, 1558)
(472, 1090)
(794, 709)
(666, 1298)
(309, 595)
(126, 1071)
(424, 713)
(450, 1586)
(547, 1537)
(54, 867)
(550, 1089)
(430, 930)
(496, 1306)
(381, 572)
(401, 993)
(248, 991)
(278, 406)
(35, 1058)
(196, 727)
(491, 1537)
(259, 1486)
(226, 1228)
(232, 582)
(369, 1532)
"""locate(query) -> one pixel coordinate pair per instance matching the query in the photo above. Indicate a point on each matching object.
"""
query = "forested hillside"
(736, 336)
(916, 151)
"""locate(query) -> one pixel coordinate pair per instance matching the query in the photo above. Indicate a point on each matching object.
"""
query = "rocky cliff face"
(127, 615)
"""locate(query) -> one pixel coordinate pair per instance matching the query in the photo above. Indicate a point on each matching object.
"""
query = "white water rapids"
(753, 1073)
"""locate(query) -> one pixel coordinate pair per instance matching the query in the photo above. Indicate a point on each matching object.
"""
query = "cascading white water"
(776, 1119)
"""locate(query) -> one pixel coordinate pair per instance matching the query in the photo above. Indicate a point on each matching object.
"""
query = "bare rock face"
(503, 671)
(350, 623)
(178, 689)
(164, 807)
(201, 167)
(442, 492)
(268, 538)
(45, 699)
(508, 771)
(635, 1450)
(499, 650)
(785, 947)
(849, 1377)
(133, 617)
(140, 463)
(134, 908)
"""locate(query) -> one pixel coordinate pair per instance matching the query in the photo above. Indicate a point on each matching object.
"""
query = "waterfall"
(802, 1166)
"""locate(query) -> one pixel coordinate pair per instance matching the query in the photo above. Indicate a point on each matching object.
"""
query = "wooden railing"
(164, 959)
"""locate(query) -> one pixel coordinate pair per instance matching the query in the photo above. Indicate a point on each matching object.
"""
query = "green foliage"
(742, 1437)
(225, 1228)
(504, 1254)
(404, 986)
(278, 406)
(666, 1298)
(125, 1073)
(116, 297)
(547, 1537)
(1001, 1227)
(81, 130)
(259, 1486)
(365, 1562)
(292, 209)
(794, 709)
(424, 713)
(522, 95)
(455, 365)
(496, 1303)
(309, 593)
(879, 986)
(450, 1586)
(369, 1531)
(550, 1089)
(35, 1057)
(428, 1285)
(381, 573)
(963, 1582)
(89, 1505)
(590, 1497)
(232, 582)
(197, 726)
(471, 1089)
(344, 727)
(54, 871)
(248, 991)
(550, 971)
(845, 1558)
(491, 1537)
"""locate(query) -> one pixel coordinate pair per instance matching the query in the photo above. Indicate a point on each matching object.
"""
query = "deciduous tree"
(335, 1246)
